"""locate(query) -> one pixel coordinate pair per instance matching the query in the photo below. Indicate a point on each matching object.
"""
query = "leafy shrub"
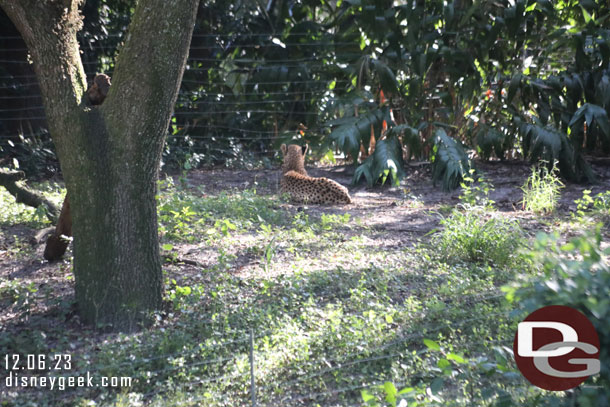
(491, 140)
(476, 192)
(596, 208)
(449, 162)
(352, 131)
(17, 296)
(473, 236)
(541, 190)
(577, 275)
(479, 379)
(386, 162)
(546, 143)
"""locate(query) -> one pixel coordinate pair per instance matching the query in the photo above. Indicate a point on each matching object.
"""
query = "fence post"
(252, 381)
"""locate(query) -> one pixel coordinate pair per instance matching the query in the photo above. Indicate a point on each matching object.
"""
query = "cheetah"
(303, 188)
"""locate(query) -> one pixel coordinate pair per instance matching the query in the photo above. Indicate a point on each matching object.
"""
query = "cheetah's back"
(303, 188)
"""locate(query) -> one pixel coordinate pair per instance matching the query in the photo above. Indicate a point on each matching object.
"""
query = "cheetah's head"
(294, 158)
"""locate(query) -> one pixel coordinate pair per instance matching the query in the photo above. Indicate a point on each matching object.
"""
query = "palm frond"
(450, 162)
(592, 115)
(410, 137)
(354, 131)
(546, 143)
(542, 142)
(490, 140)
(515, 84)
(386, 77)
(386, 162)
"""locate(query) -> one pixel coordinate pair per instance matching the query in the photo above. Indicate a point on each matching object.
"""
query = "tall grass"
(474, 236)
(541, 190)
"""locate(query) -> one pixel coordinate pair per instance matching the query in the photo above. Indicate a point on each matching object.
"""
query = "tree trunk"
(110, 154)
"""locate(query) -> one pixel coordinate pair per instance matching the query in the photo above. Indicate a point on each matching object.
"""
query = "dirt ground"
(393, 208)
(402, 214)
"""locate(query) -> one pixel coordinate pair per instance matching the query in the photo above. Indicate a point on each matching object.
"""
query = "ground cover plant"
(541, 190)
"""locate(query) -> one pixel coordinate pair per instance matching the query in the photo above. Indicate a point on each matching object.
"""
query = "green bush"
(475, 191)
(474, 236)
(593, 209)
(576, 275)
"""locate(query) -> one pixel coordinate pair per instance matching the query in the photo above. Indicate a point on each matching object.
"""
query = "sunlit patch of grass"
(592, 209)
(474, 235)
(541, 190)
(17, 213)
(184, 216)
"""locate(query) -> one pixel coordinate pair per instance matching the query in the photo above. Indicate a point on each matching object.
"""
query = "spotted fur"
(303, 188)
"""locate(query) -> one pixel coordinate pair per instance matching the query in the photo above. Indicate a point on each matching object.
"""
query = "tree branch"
(9, 180)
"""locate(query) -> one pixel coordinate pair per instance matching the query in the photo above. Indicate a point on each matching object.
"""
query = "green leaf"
(586, 15)
(450, 161)
(330, 157)
(406, 390)
(443, 363)
(456, 358)
(390, 392)
(515, 82)
(591, 112)
(355, 131)
(437, 385)
(603, 91)
(548, 144)
(409, 136)
(364, 170)
(432, 344)
(387, 79)
(366, 396)
(490, 140)
(385, 162)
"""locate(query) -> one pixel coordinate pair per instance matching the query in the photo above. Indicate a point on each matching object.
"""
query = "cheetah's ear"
(304, 148)
(283, 148)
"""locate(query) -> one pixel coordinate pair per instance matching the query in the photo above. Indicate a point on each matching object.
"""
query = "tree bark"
(58, 242)
(110, 154)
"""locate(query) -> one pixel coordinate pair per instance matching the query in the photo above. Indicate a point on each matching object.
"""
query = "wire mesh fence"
(12, 83)
(227, 106)
(239, 367)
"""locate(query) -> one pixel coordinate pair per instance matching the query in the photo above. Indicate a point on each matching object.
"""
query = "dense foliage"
(504, 79)
(575, 274)
(527, 78)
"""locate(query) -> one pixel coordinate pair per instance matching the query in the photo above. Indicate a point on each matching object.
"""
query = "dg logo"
(556, 348)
